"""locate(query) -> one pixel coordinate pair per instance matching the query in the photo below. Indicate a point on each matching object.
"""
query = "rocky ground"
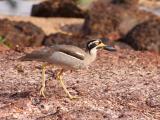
(122, 85)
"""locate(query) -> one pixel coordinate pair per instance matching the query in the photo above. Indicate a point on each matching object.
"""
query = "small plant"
(2, 40)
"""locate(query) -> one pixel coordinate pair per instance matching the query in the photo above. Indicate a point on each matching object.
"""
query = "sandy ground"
(150, 3)
(51, 25)
(122, 85)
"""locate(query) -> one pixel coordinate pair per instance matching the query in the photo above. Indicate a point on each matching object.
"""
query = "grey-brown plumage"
(63, 55)
(48, 51)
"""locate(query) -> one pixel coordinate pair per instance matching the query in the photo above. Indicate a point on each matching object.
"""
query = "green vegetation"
(2, 40)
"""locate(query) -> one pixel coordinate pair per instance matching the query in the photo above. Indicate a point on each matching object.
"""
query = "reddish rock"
(57, 8)
(120, 16)
(60, 38)
(81, 40)
(126, 2)
(145, 36)
(20, 34)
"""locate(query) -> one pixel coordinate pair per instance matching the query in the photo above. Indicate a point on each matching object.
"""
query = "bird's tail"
(33, 56)
(39, 55)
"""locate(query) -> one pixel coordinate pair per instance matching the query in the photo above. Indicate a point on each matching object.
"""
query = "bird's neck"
(93, 52)
(91, 56)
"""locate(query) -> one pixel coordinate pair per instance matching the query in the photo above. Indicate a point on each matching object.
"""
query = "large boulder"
(145, 36)
(20, 34)
(108, 16)
(61, 38)
(57, 8)
(80, 40)
(125, 2)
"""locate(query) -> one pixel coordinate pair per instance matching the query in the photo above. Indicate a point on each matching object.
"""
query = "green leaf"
(2, 39)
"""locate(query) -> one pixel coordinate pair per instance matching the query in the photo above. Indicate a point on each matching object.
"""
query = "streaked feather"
(43, 54)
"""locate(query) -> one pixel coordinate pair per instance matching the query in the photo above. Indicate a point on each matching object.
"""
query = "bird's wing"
(71, 50)
(46, 52)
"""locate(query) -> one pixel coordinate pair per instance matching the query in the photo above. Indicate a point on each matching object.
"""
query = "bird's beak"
(102, 45)
(106, 47)
(109, 48)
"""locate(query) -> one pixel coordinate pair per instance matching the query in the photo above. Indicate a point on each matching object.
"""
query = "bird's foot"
(58, 77)
(42, 93)
(73, 97)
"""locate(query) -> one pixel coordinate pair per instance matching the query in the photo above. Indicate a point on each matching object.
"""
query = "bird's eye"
(99, 42)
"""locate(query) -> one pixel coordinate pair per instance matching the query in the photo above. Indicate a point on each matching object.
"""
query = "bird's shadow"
(15, 95)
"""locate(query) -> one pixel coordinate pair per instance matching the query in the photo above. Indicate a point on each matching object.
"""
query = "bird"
(67, 57)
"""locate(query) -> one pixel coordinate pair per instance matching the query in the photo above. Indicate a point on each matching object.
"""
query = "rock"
(57, 8)
(120, 16)
(60, 38)
(126, 2)
(145, 36)
(113, 40)
(153, 101)
(20, 34)
(80, 40)
(121, 45)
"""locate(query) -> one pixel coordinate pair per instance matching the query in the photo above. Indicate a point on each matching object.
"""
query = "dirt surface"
(150, 3)
(122, 85)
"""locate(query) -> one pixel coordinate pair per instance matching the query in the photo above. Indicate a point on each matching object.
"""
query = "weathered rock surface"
(145, 36)
(60, 38)
(57, 8)
(119, 16)
(128, 3)
(80, 40)
(20, 34)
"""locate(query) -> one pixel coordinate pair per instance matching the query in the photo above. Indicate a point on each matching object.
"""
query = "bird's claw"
(42, 91)
(73, 97)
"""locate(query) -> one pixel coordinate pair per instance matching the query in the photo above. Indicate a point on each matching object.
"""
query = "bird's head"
(93, 45)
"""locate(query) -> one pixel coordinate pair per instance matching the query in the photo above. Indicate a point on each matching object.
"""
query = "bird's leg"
(43, 84)
(59, 77)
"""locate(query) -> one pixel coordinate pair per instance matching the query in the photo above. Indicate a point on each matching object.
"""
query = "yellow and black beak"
(106, 47)
(101, 45)
(109, 48)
